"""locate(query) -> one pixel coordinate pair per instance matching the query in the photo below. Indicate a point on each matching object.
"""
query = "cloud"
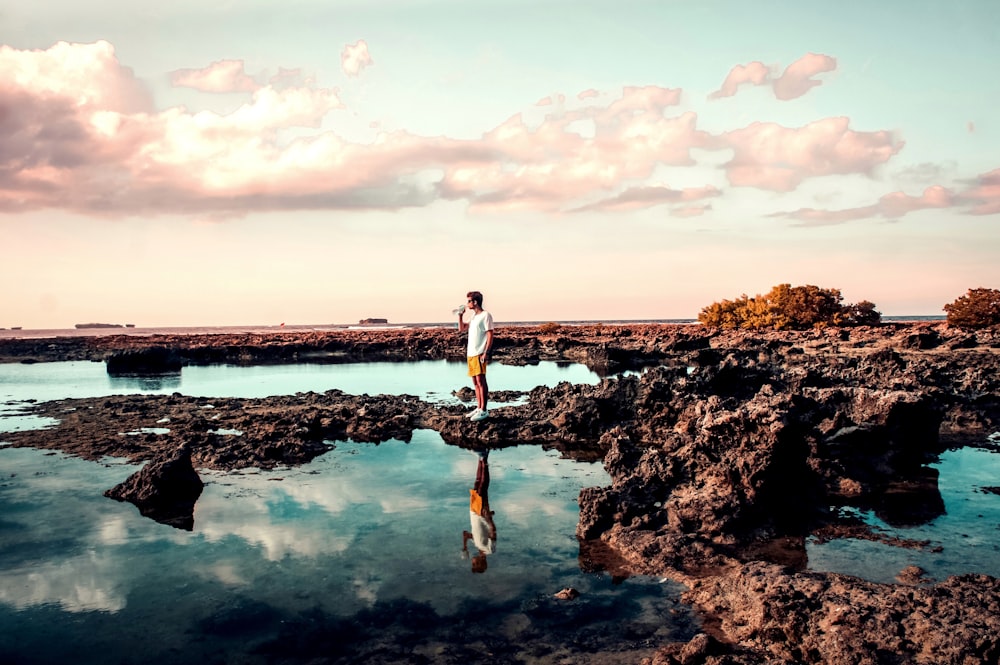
(795, 81)
(755, 73)
(769, 156)
(290, 78)
(552, 100)
(86, 583)
(892, 206)
(635, 198)
(355, 58)
(926, 172)
(550, 167)
(981, 198)
(650, 99)
(78, 74)
(78, 132)
(691, 210)
(221, 76)
(984, 195)
(898, 204)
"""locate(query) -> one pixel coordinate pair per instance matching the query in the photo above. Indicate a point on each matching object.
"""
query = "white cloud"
(355, 58)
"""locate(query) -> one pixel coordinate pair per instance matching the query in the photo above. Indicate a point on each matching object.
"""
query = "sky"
(323, 161)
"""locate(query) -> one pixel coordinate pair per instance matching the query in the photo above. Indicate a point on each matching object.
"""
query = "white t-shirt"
(478, 326)
(481, 534)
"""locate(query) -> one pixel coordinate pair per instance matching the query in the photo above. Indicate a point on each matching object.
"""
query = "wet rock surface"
(725, 453)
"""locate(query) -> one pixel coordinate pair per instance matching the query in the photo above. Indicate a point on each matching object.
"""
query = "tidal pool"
(357, 556)
(360, 550)
(432, 380)
(964, 539)
(352, 557)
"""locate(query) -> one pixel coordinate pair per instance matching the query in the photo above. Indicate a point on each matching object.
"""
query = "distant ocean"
(263, 329)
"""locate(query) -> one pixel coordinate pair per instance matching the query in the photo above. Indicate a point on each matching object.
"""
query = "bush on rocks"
(788, 307)
(979, 308)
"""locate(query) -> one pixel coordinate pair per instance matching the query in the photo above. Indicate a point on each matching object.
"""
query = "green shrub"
(978, 308)
(788, 307)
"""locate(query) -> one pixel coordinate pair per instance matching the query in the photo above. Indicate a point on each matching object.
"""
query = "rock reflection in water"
(170, 381)
(939, 520)
(912, 501)
(164, 490)
(352, 558)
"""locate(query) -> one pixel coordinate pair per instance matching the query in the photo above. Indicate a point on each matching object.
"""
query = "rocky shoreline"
(725, 453)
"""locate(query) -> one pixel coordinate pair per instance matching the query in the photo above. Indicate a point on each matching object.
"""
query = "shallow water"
(432, 380)
(968, 533)
(358, 554)
(363, 534)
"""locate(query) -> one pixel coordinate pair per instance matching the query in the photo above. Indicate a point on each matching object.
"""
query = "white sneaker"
(479, 415)
(475, 412)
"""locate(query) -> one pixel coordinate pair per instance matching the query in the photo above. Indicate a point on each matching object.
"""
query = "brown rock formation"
(725, 453)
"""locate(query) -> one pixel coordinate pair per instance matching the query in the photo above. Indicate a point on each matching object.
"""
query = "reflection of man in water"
(484, 531)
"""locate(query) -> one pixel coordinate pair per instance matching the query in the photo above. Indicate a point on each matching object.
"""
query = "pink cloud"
(651, 98)
(80, 133)
(55, 105)
(290, 78)
(755, 73)
(984, 195)
(588, 94)
(691, 210)
(551, 100)
(892, 206)
(635, 198)
(982, 198)
(898, 204)
(355, 58)
(81, 75)
(221, 76)
(797, 79)
(770, 156)
(551, 167)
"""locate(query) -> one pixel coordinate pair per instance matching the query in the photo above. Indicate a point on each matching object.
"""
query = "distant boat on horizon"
(99, 325)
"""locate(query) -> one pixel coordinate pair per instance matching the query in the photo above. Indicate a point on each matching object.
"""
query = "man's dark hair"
(476, 296)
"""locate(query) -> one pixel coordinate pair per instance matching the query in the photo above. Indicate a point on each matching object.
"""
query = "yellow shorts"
(475, 367)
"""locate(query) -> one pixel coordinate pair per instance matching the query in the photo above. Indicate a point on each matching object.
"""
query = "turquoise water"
(967, 534)
(360, 532)
(359, 553)
(433, 380)
(347, 559)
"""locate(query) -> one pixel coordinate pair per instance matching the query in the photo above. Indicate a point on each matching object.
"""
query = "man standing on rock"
(480, 329)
